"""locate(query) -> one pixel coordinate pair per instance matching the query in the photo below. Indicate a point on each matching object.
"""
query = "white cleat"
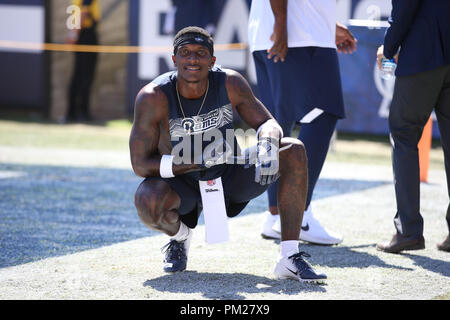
(312, 231)
(297, 268)
(267, 231)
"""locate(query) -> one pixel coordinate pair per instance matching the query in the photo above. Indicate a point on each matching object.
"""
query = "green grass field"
(111, 136)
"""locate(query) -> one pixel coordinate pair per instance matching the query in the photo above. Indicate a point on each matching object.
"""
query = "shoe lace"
(173, 250)
(299, 262)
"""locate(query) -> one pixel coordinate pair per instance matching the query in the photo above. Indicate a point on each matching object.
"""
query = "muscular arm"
(149, 137)
(144, 137)
(249, 108)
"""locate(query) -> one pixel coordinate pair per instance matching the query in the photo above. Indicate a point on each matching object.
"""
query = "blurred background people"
(419, 39)
(294, 47)
(85, 62)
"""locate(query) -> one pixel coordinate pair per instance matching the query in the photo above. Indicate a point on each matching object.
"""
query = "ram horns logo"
(188, 125)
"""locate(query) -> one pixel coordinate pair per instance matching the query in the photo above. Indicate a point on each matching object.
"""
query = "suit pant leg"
(443, 117)
(414, 98)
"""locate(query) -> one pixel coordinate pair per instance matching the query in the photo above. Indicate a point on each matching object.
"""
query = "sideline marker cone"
(424, 150)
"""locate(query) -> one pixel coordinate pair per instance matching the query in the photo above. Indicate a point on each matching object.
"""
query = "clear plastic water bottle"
(388, 67)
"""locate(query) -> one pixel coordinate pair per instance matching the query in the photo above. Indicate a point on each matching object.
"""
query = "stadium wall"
(119, 76)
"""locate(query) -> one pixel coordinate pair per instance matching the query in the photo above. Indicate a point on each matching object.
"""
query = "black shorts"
(239, 188)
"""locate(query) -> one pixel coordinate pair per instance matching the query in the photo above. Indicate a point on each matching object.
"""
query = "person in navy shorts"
(294, 48)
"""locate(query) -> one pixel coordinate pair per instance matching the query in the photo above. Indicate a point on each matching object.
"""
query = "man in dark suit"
(419, 39)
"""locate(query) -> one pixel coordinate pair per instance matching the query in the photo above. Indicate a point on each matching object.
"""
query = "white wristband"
(272, 124)
(165, 168)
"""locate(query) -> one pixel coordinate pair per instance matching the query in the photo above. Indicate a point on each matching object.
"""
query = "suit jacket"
(421, 30)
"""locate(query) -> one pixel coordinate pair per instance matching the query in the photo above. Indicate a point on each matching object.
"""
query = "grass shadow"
(228, 286)
(437, 266)
(340, 256)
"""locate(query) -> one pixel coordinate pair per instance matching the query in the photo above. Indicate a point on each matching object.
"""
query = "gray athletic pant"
(415, 97)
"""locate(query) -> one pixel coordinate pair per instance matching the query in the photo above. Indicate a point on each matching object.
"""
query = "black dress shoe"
(445, 246)
(400, 243)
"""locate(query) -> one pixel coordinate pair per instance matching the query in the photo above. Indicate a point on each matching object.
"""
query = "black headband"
(193, 38)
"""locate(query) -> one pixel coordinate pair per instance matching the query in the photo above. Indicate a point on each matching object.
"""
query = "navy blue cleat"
(296, 267)
(176, 256)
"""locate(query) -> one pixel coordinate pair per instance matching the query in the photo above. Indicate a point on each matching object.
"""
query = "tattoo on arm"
(145, 134)
(241, 96)
(148, 141)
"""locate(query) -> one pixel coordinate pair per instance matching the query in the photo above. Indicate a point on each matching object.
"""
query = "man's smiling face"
(193, 62)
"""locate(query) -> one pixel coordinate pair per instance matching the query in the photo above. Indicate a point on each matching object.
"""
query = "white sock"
(288, 248)
(182, 234)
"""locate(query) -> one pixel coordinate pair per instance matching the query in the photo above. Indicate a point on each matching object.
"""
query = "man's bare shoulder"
(235, 80)
(232, 75)
(151, 94)
(236, 84)
(151, 99)
(241, 96)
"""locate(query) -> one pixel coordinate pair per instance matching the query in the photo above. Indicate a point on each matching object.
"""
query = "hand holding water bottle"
(387, 66)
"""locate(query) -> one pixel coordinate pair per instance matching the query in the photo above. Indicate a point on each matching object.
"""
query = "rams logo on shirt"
(202, 123)
(188, 124)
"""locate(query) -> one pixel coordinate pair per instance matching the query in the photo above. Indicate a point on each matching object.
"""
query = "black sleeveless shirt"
(216, 114)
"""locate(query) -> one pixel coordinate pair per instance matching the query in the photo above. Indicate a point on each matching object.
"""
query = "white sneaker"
(296, 267)
(312, 231)
(267, 231)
